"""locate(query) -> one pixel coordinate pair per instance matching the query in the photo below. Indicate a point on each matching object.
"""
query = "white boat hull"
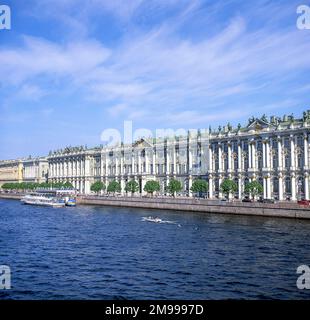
(43, 203)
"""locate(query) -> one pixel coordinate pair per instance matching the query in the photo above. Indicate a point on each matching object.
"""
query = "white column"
(280, 162)
(307, 197)
(220, 182)
(174, 160)
(122, 164)
(154, 163)
(220, 158)
(190, 164)
(239, 156)
(253, 156)
(265, 187)
(293, 181)
(239, 187)
(292, 153)
(210, 158)
(101, 166)
(139, 162)
(87, 166)
(122, 185)
(229, 156)
(87, 187)
(69, 167)
(147, 170)
(210, 187)
(133, 163)
(250, 154)
(167, 160)
(268, 163)
(116, 165)
(190, 160)
(106, 164)
(281, 188)
(306, 151)
(268, 187)
(264, 154)
(190, 182)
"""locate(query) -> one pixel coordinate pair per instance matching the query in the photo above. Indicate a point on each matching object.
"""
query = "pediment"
(142, 143)
(258, 124)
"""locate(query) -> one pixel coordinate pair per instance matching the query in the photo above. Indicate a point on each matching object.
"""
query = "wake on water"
(158, 220)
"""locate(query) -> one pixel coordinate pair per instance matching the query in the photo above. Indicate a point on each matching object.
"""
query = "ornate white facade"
(274, 152)
(35, 170)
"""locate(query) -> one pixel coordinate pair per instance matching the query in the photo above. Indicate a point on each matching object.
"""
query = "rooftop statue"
(251, 120)
(264, 118)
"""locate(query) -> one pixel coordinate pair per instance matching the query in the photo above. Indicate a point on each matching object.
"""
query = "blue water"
(92, 252)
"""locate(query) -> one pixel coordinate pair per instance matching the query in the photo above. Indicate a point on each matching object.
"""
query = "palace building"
(274, 151)
(24, 170)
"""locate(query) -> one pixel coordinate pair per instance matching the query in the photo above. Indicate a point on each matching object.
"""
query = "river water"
(92, 252)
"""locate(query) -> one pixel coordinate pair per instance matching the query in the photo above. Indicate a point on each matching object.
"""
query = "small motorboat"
(71, 203)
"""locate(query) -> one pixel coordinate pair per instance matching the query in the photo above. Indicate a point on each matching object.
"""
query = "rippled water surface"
(92, 252)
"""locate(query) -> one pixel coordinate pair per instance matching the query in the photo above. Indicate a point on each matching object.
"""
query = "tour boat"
(42, 200)
(51, 197)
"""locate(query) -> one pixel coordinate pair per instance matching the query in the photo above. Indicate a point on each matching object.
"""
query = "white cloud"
(160, 73)
(41, 57)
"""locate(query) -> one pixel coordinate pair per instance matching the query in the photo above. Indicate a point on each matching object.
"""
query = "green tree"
(253, 188)
(6, 186)
(114, 186)
(68, 185)
(151, 186)
(97, 186)
(132, 186)
(44, 185)
(58, 185)
(174, 186)
(200, 186)
(228, 186)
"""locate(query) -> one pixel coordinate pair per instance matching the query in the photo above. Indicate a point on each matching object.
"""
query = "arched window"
(288, 186)
(275, 185)
(300, 160)
(260, 159)
(301, 185)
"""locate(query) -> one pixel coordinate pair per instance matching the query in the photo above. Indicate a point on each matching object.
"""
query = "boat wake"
(158, 220)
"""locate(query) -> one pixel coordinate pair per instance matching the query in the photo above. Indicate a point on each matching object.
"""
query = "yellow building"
(11, 171)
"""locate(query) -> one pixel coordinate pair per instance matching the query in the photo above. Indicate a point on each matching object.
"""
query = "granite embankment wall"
(283, 210)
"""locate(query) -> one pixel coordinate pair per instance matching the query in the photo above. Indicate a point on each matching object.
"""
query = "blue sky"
(73, 68)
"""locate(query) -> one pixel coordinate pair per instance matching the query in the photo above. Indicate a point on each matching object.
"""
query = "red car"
(304, 202)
